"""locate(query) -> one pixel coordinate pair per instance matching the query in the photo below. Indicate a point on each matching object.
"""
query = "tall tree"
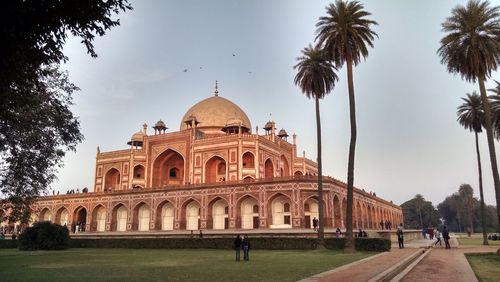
(419, 204)
(316, 78)
(471, 48)
(495, 109)
(37, 126)
(471, 116)
(345, 34)
(467, 197)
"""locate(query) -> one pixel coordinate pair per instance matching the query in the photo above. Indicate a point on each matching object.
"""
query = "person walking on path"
(446, 237)
(438, 238)
(400, 234)
(246, 248)
(237, 247)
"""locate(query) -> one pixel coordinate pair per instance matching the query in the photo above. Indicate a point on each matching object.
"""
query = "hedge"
(44, 235)
(267, 243)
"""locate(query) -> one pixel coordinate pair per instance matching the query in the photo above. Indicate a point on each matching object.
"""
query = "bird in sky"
(185, 70)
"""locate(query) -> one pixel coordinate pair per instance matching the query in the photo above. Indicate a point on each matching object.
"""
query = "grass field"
(167, 265)
(486, 267)
(475, 241)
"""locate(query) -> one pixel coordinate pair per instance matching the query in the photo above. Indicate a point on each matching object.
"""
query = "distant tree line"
(459, 212)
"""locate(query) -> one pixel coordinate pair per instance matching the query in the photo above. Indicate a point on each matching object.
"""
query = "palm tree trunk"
(491, 144)
(321, 236)
(421, 222)
(350, 165)
(479, 169)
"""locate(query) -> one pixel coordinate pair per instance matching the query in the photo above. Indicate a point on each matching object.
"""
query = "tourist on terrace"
(338, 233)
(315, 223)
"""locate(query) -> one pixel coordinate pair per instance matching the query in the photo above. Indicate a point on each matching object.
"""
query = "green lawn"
(475, 241)
(167, 265)
(486, 267)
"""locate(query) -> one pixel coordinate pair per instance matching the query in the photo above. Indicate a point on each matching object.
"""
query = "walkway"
(439, 264)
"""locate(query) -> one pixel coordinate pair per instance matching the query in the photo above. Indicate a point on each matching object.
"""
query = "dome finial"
(216, 92)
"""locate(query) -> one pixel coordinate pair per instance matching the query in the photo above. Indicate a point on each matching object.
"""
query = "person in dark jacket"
(246, 248)
(237, 247)
(446, 237)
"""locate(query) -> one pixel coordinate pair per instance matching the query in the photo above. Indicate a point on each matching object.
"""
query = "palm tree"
(495, 109)
(472, 49)
(345, 35)
(316, 78)
(419, 204)
(471, 116)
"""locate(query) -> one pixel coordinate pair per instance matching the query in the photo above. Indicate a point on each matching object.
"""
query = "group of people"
(436, 233)
(387, 224)
(242, 244)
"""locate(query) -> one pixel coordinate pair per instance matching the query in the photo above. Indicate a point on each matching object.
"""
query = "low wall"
(409, 235)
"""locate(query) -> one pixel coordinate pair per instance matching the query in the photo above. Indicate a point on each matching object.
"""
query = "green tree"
(316, 78)
(419, 204)
(424, 216)
(471, 116)
(495, 109)
(471, 48)
(37, 126)
(345, 34)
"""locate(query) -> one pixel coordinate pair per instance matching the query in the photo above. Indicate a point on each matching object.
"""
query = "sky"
(408, 142)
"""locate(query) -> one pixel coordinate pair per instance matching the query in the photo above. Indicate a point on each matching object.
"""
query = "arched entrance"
(112, 180)
(281, 212)
(311, 211)
(192, 216)
(45, 215)
(99, 219)
(268, 169)
(215, 170)
(119, 218)
(285, 168)
(359, 218)
(141, 217)
(249, 213)
(139, 172)
(248, 160)
(220, 214)
(298, 173)
(168, 169)
(166, 212)
(62, 216)
(80, 219)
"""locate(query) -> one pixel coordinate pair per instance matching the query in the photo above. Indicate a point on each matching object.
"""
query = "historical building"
(215, 172)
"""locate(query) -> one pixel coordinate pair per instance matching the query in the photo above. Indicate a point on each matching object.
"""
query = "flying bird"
(234, 55)
(185, 70)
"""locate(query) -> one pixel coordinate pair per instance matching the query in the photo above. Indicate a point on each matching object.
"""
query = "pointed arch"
(139, 171)
(284, 166)
(168, 169)
(98, 219)
(215, 169)
(190, 214)
(80, 218)
(119, 217)
(62, 216)
(311, 211)
(248, 160)
(141, 217)
(280, 211)
(218, 213)
(112, 180)
(247, 212)
(337, 214)
(165, 216)
(268, 169)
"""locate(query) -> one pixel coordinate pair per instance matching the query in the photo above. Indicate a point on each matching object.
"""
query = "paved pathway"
(447, 265)
(438, 265)
(371, 267)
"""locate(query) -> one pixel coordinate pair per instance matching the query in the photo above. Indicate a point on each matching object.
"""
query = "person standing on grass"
(446, 237)
(438, 237)
(400, 234)
(237, 247)
(246, 248)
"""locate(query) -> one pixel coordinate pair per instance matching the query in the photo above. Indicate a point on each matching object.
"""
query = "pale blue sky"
(408, 139)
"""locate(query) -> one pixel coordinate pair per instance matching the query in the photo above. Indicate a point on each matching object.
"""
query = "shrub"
(372, 244)
(257, 243)
(44, 236)
(8, 244)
